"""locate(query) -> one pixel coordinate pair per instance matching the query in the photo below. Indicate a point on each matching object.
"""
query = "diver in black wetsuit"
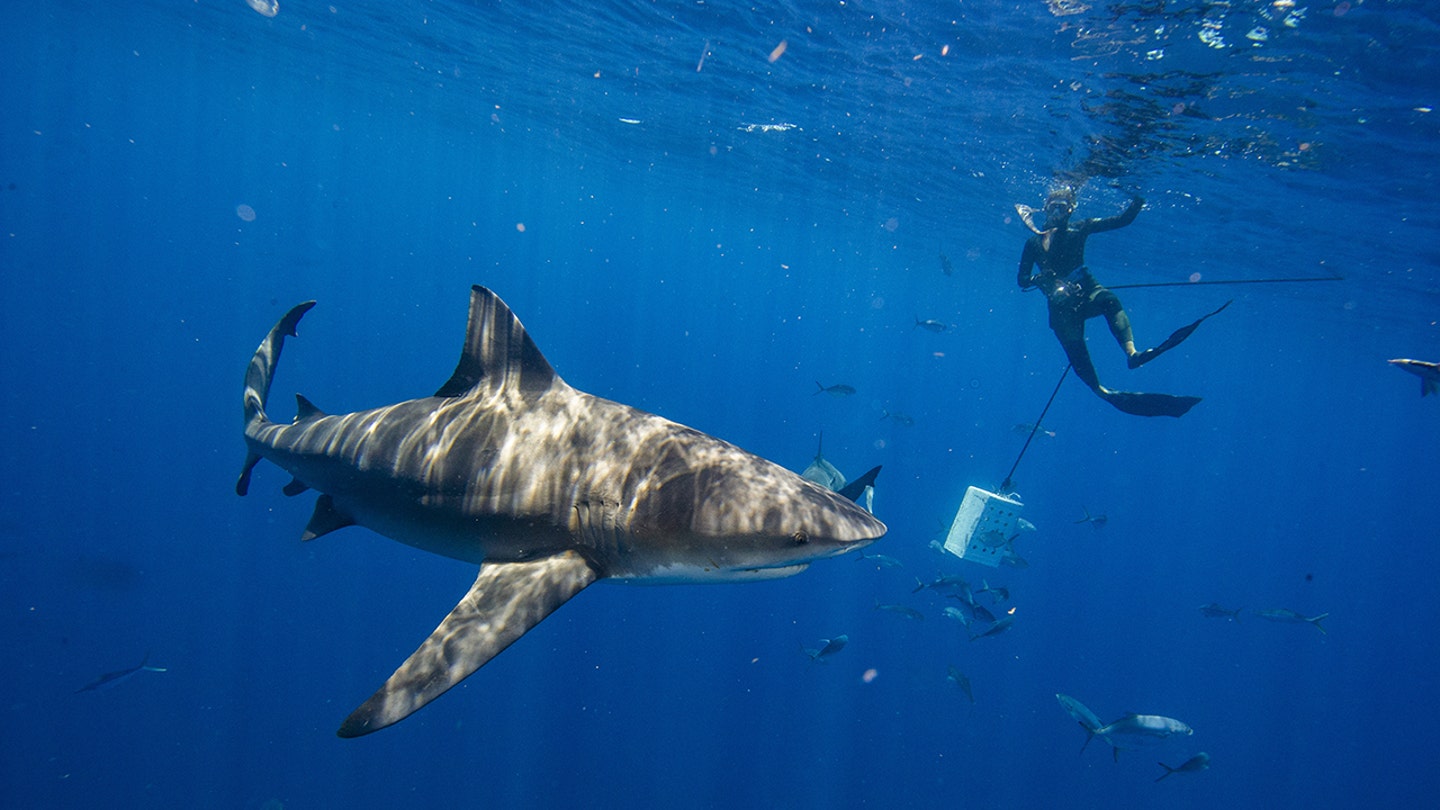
(1074, 296)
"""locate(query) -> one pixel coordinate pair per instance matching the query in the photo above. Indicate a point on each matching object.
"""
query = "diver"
(1074, 296)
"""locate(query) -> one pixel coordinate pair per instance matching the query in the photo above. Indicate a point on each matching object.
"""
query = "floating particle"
(1194, 277)
(269, 8)
(779, 50)
(244, 211)
(870, 675)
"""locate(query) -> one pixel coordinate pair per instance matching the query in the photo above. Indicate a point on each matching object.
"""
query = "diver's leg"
(1108, 304)
(1069, 327)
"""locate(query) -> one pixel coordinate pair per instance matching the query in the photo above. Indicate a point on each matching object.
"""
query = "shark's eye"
(800, 538)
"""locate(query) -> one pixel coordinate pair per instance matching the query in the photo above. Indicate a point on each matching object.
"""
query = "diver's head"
(1059, 205)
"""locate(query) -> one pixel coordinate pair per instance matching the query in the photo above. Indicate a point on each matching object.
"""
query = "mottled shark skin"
(547, 488)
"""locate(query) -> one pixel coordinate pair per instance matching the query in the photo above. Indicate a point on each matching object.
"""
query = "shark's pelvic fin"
(295, 487)
(325, 519)
(498, 352)
(506, 600)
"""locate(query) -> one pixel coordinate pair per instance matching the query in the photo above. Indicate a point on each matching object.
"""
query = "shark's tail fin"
(258, 377)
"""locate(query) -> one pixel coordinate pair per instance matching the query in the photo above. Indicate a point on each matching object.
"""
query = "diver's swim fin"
(1139, 359)
(1149, 404)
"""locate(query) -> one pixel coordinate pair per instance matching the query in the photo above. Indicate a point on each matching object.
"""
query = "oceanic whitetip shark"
(546, 488)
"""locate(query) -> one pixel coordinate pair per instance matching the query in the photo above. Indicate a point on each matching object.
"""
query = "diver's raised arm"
(1124, 218)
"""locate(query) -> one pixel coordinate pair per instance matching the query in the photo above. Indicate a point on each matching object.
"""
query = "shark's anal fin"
(295, 487)
(506, 600)
(325, 519)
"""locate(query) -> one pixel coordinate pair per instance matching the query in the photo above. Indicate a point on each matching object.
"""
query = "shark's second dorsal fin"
(305, 409)
(498, 352)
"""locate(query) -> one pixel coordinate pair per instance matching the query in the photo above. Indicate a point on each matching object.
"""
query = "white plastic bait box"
(984, 528)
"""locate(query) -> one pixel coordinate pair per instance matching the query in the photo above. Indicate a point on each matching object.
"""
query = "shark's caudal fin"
(258, 377)
(506, 600)
(498, 352)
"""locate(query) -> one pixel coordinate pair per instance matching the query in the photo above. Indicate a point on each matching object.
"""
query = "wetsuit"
(1073, 295)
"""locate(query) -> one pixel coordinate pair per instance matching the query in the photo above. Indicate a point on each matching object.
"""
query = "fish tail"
(820, 387)
(1168, 770)
(1316, 621)
(258, 377)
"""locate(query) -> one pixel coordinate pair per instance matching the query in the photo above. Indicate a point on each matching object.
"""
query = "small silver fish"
(1429, 374)
(1215, 611)
(1139, 730)
(110, 679)
(1000, 626)
(958, 615)
(999, 594)
(931, 325)
(882, 560)
(1195, 764)
(901, 610)
(947, 582)
(898, 418)
(828, 647)
(1287, 616)
(958, 678)
(837, 390)
(1095, 521)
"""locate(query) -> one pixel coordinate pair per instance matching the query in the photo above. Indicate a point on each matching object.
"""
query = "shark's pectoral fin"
(325, 519)
(506, 600)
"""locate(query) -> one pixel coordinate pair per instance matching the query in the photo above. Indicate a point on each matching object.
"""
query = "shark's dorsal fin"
(856, 488)
(325, 519)
(498, 352)
(305, 409)
(506, 600)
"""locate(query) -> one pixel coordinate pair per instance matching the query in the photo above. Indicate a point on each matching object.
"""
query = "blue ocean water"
(694, 221)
